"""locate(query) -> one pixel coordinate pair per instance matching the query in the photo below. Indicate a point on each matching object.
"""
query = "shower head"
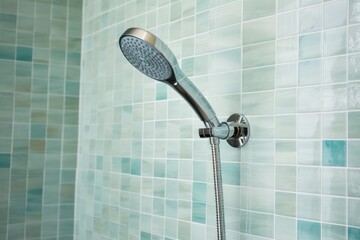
(140, 49)
(152, 57)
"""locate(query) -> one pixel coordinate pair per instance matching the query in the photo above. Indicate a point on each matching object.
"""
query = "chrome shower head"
(151, 56)
(144, 56)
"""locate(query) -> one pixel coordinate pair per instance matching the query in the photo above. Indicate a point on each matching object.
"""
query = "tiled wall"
(291, 66)
(39, 83)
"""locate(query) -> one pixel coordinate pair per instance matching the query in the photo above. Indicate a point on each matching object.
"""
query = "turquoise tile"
(308, 230)
(231, 173)
(353, 233)
(334, 153)
(199, 212)
(24, 54)
(5, 160)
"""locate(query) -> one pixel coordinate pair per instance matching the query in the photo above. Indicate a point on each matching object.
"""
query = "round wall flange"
(242, 126)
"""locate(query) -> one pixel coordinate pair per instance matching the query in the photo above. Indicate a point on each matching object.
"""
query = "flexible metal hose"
(219, 199)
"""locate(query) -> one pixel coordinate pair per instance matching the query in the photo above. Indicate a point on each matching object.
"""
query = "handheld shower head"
(151, 56)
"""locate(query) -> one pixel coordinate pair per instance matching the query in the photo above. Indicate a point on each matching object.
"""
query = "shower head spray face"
(138, 46)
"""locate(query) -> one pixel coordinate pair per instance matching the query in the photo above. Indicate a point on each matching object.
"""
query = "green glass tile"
(252, 199)
(353, 233)
(6, 99)
(310, 19)
(304, 3)
(199, 212)
(354, 11)
(24, 54)
(334, 153)
(259, 224)
(353, 212)
(309, 179)
(5, 160)
(259, 31)
(310, 46)
(258, 9)
(285, 178)
(354, 124)
(37, 131)
(199, 192)
(285, 127)
(161, 91)
(334, 126)
(333, 181)
(285, 204)
(308, 230)
(353, 69)
(309, 207)
(285, 101)
(252, 106)
(335, 42)
(310, 72)
(285, 5)
(335, 14)
(333, 210)
(287, 23)
(287, 50)
(251, 53)
(353, 41)
(354, 153)
(231, 173)
(285, 152)
(335, 70)
(7, 21)
(7, 52)
(258, 79)
(353, 182)
(285, 228)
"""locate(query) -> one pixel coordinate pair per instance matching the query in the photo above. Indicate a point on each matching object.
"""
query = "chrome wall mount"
(236, 130)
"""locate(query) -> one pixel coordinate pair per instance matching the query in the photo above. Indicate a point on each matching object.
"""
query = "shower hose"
(219, 199)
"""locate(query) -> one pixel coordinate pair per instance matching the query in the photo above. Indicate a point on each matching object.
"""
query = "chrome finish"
(236, 131)
(151, 56)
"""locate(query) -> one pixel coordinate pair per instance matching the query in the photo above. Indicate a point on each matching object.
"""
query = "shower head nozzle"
(141, 49)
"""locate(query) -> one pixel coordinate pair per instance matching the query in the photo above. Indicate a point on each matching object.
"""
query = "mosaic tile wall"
(291, 66)
(40, 45)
